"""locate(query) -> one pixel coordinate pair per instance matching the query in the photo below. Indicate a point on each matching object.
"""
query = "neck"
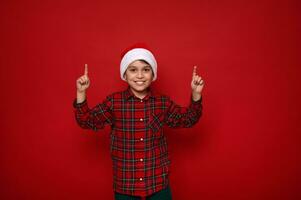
(140, 95)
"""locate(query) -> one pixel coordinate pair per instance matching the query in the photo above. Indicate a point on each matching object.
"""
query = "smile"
(139, 82)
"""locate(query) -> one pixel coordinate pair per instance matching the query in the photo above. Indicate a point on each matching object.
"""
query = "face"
(139, 76)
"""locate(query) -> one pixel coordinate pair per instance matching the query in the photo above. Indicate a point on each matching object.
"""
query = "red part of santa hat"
(138, 51)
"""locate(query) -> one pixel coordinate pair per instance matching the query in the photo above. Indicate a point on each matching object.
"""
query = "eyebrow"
(145, 66)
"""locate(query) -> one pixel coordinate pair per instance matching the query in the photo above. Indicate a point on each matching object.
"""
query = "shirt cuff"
(81, 107)
(196, 104)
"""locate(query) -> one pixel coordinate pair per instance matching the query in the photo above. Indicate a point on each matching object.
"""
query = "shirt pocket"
(156, 122)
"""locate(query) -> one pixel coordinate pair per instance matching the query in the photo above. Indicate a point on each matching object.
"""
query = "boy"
(136, 116)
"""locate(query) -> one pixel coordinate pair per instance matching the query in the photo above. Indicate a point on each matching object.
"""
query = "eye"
(147, 69)
(132, 69)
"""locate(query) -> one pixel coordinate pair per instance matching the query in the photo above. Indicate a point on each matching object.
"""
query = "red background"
(246, 145)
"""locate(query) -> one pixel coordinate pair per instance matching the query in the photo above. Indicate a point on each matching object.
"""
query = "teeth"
(139, 82)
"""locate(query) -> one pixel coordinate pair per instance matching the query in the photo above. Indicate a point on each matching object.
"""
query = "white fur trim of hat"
(138, 54)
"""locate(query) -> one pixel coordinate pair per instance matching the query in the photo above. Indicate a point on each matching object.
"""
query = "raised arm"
(178, 116)
(95, 118)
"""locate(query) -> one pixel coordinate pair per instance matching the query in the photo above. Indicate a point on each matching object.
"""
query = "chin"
(140, 89)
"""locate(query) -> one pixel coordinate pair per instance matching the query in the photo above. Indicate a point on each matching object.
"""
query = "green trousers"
(164, 194)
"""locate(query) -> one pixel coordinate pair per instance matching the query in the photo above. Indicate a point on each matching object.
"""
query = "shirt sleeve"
(183, 117)
(95, 118)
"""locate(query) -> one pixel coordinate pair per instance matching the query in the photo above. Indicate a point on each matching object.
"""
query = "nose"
(140, 74)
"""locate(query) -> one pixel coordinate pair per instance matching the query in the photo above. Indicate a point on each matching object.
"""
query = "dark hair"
(141, 60)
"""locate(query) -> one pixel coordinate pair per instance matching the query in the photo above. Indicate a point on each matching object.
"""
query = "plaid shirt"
(138, 145)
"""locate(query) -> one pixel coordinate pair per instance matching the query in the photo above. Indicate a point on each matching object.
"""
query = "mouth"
(139, 82)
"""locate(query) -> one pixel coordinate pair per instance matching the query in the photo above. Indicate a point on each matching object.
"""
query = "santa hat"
(138, 51)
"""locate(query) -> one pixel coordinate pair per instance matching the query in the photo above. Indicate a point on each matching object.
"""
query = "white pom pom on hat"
(138, 51)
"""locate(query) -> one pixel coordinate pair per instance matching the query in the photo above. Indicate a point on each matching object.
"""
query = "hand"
(83, 82)
(197, 84)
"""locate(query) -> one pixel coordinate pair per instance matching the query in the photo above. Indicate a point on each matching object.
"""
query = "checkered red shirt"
(138, 145)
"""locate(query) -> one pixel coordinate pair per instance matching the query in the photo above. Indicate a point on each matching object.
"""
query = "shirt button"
(141, 100)
(141, 119)
(140, 179)
(141, 139)
(141, 159)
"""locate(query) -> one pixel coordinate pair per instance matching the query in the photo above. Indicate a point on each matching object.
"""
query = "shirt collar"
(129, 94)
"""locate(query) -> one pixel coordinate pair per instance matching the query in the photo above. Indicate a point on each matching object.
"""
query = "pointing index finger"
(194, 71)
(86, 69)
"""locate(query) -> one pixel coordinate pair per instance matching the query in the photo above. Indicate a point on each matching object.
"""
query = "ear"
(125, 76)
